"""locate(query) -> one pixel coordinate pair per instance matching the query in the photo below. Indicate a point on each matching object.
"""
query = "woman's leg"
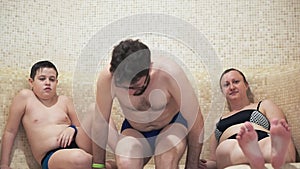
(281, 143)
(247, 139)
(229, 153)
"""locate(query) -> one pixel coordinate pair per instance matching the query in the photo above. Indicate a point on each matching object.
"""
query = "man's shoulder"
(105, 76)
(167, 64)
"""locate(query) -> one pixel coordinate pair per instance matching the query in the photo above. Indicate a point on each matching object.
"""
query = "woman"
(250, 133)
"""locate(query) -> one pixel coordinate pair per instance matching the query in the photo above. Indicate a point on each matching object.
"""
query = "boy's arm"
(72, 112)
(67, 135)
(16, 113)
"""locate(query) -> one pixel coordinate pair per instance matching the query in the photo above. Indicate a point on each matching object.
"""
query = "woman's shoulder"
(266, 103)
(270, 108)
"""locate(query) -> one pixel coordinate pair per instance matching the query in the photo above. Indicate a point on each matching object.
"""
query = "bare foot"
(247, 139)
(280, 138)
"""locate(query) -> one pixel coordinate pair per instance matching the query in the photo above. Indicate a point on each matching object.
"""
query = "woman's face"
(233, 85)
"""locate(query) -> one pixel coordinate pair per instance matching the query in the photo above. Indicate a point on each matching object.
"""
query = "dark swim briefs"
(260, 135)
(152, 135)
(46, 158)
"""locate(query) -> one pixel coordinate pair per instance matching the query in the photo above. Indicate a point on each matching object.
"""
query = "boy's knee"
(81, 159)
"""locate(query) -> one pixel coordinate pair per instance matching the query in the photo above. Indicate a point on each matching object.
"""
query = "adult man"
(50, 122)
(160, 107)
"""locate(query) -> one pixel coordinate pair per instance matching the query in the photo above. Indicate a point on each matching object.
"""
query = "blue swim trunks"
(46, 158)
(152, 135)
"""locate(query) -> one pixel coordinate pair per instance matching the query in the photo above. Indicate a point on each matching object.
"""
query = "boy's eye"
(52, 79)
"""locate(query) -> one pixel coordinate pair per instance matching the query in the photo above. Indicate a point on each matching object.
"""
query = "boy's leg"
(70, 158)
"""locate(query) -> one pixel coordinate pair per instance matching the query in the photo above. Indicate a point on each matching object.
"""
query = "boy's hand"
(66, 137)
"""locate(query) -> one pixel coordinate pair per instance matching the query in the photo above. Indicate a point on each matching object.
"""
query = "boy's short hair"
(42, 64)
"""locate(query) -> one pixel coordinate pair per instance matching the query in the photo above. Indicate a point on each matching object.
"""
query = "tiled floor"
(268, 166)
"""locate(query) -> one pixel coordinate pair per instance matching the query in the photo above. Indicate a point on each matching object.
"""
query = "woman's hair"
(249, 93)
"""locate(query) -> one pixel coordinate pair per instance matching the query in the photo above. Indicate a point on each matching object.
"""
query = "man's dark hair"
(40, 65)
(130, 61)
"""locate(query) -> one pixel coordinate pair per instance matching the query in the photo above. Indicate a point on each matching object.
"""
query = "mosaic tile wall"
(262, 38)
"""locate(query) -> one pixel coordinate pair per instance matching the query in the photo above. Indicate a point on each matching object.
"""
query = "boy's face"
(44, 83)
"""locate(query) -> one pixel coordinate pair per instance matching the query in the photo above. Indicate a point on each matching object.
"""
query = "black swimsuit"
(251, 115)
(46, 158)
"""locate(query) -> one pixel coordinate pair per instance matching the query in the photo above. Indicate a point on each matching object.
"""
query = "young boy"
(50, 122)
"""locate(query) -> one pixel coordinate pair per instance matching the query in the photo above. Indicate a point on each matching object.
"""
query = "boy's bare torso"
(43, 124)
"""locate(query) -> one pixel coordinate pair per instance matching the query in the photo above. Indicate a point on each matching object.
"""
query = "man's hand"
(202, 164)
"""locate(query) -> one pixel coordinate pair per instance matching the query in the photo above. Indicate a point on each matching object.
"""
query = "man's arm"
(186, 98)
(195, 142)
(101, 118)
(16, 113)
(211, 163)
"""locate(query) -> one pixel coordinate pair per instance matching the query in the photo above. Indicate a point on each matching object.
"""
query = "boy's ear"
(30, 80)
